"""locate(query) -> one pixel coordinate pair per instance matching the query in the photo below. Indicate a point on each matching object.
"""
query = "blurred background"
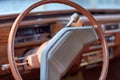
(17, 6)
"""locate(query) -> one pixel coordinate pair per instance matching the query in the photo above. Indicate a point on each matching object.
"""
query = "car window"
(17, 6)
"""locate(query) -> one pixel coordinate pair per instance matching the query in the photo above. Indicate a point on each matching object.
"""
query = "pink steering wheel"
(17, 22)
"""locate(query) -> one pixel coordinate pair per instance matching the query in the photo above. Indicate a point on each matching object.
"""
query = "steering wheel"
(11, 55)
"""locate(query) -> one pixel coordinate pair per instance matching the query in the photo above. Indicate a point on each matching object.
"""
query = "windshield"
(17, 6)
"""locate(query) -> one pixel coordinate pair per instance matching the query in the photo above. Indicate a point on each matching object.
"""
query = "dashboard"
(33, 31)
(92, 55)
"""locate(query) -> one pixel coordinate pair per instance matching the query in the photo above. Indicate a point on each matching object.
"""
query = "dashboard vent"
(112, 28)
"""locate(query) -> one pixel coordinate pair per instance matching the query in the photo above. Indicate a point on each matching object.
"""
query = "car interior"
(59, 40)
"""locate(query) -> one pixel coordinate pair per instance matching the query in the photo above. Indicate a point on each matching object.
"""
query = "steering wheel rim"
(18, 20)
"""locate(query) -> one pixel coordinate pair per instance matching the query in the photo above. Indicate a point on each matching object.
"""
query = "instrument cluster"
(32, 33)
